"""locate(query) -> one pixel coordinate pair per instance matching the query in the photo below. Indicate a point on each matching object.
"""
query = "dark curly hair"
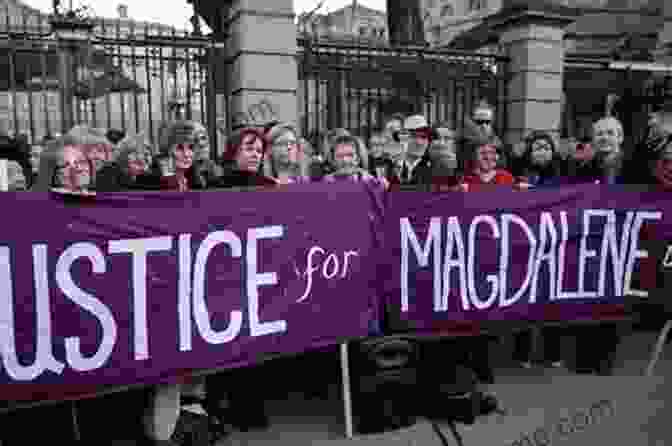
(553, 169)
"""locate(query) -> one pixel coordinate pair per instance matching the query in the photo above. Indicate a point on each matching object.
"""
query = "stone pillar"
(532, 38)
(263, 74)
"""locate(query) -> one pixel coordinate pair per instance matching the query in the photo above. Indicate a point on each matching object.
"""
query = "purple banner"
(143, 287)
(562, 254)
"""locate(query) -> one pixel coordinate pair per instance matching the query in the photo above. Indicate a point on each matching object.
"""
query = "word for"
(192, 306)
(330, 266)
(618, 251)
(575, 422)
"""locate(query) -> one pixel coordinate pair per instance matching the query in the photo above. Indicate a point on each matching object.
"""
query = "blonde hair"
(271, 135)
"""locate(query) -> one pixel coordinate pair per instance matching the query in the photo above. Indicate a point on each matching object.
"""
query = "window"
(447, 10)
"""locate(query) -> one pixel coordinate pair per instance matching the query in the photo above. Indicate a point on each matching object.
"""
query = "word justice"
(191, 276)
(617, 249)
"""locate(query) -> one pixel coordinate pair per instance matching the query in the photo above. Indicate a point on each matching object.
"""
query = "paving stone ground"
(536, 399)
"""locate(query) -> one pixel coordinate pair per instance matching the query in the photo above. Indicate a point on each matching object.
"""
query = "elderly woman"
(64, 167)
(130, 171)
(94, 144)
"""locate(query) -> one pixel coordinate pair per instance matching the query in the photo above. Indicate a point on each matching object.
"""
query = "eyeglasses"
(483, 122)
(286, 143)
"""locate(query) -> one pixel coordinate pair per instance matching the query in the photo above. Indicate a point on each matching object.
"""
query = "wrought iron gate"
(356, 86)
(127, 75)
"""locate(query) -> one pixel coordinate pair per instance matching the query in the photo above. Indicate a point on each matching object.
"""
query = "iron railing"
(589, 80)
(356, 85)
(128, 75)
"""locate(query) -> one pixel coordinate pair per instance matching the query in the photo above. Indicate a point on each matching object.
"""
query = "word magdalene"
(555, 268)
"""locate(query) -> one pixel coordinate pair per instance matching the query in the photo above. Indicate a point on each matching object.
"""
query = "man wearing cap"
(415, 167)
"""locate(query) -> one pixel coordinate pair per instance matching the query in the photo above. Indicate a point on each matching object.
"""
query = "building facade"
(348, 23)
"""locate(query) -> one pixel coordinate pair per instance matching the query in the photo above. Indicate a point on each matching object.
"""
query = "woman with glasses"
(287, 162)
(64, 167)
(540, 167)
(131, 169)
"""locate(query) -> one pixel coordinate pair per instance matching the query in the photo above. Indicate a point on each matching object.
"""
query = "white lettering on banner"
(330, 267)
(139, 248)
(610, 246)
(546, 253)
(44, 354)
(256, 279)
(191, 298)
(201, 313)
(184, 292)
(433, 243)
(562, 252)
(471, 260)
(454, 242)
(618, 252)
(507, 220)
(585, 254)
(73, 352)
(667, 261)
(636, 253)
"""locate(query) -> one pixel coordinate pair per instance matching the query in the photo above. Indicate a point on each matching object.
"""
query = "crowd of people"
(406, 153)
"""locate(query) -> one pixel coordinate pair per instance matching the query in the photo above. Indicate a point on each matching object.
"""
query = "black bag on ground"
(386, 384)
(449, 386)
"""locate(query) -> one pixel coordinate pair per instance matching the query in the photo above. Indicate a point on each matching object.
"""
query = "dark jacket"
(112, 179)
(382, 166)
(204, 174)
(548, 176)
(234, 178)
(580, 172)
(421, 174)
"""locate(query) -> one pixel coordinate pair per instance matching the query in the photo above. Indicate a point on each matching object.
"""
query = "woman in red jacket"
(484, 173)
